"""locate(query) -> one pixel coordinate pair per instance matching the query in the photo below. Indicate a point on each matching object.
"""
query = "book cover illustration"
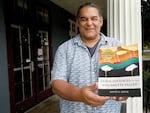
(119, 72)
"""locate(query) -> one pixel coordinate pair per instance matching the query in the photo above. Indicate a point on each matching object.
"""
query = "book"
(119, 72)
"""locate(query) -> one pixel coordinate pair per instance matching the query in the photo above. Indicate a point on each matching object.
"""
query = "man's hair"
(88, 4)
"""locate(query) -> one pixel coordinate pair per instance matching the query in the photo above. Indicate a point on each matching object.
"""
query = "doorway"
(29, 60)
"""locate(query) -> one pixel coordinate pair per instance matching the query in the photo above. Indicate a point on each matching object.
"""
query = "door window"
(22, 63)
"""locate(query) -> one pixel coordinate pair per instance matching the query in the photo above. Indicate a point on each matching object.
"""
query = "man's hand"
(92, 99)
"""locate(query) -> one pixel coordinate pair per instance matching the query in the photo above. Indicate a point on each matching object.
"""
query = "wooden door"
(43, 67)
(29, 67)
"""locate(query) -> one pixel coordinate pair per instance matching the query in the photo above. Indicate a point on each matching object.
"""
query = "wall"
(4, 87)
(60, 26)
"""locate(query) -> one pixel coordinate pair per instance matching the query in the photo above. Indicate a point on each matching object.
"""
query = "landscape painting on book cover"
(119, 72)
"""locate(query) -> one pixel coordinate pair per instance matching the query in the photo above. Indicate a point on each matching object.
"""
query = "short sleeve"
(59, 70)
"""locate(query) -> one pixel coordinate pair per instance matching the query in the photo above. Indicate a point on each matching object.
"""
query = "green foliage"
(146, 45)
(146, 75)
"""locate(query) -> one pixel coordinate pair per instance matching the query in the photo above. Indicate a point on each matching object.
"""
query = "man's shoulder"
(110, 41)
(70, 42)
(108, 37)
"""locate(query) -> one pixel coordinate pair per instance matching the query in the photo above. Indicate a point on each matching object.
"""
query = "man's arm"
(73, 93)
(66, 90)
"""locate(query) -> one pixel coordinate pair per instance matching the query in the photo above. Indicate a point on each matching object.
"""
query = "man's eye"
(95, 18)
(83, 19)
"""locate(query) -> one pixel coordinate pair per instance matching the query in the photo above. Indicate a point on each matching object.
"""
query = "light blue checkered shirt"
(74, 64)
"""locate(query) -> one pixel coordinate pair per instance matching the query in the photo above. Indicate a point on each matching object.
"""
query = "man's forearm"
(66, 90)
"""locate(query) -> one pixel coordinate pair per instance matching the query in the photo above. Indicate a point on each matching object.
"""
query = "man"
(75, 68)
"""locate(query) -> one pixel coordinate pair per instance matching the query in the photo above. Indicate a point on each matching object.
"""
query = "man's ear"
(77, 22)
(101, 21)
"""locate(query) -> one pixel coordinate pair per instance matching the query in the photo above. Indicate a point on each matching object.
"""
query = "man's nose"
(89, 22)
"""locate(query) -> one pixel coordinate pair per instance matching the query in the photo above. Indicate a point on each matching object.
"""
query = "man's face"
(89, 23)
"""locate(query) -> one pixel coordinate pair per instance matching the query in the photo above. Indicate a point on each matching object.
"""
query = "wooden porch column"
(124, 22)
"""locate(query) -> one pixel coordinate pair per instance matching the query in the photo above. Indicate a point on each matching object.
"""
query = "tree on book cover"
(119, 71)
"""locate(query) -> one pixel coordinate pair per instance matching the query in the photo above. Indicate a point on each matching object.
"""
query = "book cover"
(119, 72)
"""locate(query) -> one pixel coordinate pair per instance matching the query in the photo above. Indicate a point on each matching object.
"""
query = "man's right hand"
(90, 98)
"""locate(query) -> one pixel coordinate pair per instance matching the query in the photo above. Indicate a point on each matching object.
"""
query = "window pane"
(18, 93)
(16, 48)
(18, 76)
(26, 74)
(27, 89)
